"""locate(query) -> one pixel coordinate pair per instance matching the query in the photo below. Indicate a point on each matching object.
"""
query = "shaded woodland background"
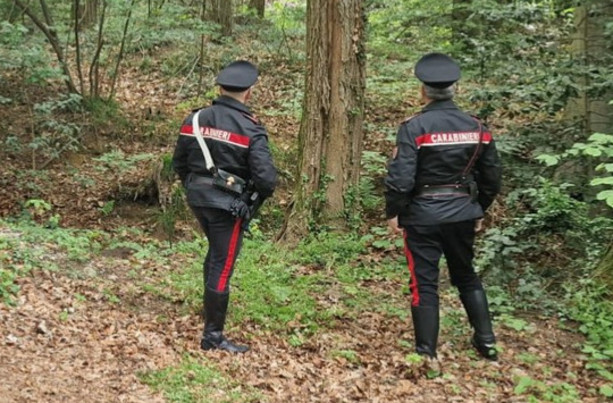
(95, 238)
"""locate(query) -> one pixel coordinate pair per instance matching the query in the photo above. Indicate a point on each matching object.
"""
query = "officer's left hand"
(479, 225)
(392, 223)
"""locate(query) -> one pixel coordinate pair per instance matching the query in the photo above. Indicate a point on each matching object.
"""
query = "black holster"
(473, 190)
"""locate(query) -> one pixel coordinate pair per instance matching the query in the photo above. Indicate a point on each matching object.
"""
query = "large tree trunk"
(330, 139)
(592, 47)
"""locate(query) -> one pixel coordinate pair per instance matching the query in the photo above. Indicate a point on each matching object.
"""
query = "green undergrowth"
(198, 380)
(293, 292)
(592, 308)
(26, 246)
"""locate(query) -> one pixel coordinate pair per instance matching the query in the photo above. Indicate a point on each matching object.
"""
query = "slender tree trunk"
(225, 17)
(330, 138)
(87, 13)
(48, 28)
(220, 11)
(605, 269)
(121, 49)
(259, 7)
(94, 68)
(201, 59)
(77, 44)
(592, 48)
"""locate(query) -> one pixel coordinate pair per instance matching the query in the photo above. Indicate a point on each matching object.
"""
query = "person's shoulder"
(251, 118)
(476, 118)
(412, 118)
(202, 110)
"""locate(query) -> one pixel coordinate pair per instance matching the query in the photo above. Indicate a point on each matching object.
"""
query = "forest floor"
(111, 323)
(103, 329)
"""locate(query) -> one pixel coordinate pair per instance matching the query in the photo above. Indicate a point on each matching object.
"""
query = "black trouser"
(424, 245)
(225, 237)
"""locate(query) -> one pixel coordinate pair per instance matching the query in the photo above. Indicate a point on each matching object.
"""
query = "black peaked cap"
(237, 76)
(437, 70)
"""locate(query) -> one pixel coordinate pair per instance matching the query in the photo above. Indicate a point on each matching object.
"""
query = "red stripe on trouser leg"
(223, 278)
(411, 264)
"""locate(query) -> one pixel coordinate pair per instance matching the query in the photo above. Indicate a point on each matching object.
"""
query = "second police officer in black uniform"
(445, 173)
(224, 191)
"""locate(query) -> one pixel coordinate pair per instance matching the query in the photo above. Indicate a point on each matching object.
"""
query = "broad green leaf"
(593, 151)
(547, 159)
(579, 146)
(601, 138)
(607, 180)
(607, 196)
(605, 167)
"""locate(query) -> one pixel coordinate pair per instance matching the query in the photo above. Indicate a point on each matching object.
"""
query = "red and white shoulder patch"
(451, 138)
(212, 133)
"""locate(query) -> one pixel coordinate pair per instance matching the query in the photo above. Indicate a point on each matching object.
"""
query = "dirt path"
(71, 339)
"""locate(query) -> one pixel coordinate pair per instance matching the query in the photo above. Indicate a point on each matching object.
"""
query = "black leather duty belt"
(202, 180)
(218, 183)
(433, 190)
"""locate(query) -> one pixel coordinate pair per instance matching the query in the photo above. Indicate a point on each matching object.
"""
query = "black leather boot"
(425, 324)
(215, 307)
(475, 303)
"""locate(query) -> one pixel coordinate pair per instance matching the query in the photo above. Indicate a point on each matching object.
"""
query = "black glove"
(240, 209)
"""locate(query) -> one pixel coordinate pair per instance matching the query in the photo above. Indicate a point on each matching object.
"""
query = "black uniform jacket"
(238, 145)
(434, 148)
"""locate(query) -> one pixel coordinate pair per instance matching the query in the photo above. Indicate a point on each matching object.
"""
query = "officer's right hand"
(392, 223)
(479, 225)
(240, 209)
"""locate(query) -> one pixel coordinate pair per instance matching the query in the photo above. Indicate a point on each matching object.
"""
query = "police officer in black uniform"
(444, 175)
(224, 197)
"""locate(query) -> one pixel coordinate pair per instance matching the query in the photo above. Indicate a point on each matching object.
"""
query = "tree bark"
(589, 46)
(604, 270)
(48, 28)
(259, 7)
(86, 13)
(77, 27)
(330, 138)
(201, 58)
(94, 69)
(220, 11)
(121, 50)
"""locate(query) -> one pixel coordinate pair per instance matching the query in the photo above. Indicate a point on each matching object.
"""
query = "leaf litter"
(88, 338)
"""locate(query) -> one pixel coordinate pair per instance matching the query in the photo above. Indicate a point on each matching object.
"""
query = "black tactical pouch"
(229, 183)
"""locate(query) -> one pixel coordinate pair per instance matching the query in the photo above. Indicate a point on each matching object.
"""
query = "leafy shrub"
(547, 230)
(591, 306)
